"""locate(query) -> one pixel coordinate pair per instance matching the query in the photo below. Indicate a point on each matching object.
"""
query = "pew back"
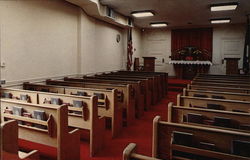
(166, 141)
(220, 104)
(216, 88)
(54, 134)
(124, 94)
(214, 94)
(206, 117)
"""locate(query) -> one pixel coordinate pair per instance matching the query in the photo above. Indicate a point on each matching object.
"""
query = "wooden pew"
(218, 84)
(86, 119)
(227, 81)
(158, 86)
(124, 94)
(9, 143)
(222, 104)
(236, 76)
(222, 89)
(156, 79)
(135, 85)
(108, 104)
(142, 90)
(207, 117)
(199, 141)
(163, 75)
(147, 82)
(129, 153)
(216, 94)
(56, 132)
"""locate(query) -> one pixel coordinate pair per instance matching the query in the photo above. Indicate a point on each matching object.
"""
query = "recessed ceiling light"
(159, 24)
(222, 20)
(140, 14)
(224, 6)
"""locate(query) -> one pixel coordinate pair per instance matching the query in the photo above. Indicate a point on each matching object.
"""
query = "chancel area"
(125, 80)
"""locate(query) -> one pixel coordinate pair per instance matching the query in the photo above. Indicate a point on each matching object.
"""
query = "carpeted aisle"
(140, 133)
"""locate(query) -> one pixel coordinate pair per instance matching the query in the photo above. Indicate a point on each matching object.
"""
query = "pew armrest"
(33, 155)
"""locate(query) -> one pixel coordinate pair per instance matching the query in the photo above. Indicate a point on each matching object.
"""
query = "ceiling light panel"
(159, 24)
(224, 7)
(219, 21)
(141, 14)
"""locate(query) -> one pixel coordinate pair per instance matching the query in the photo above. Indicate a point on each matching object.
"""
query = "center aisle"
(140, 133)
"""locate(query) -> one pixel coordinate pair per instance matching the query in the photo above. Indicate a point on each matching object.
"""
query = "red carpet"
(179, 81)
(140, 133)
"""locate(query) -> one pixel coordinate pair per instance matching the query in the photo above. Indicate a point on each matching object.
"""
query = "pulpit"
(149, 64)
(232, 66)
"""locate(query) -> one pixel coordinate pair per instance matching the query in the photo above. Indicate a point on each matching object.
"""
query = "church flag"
(246, 55)
(129, 50)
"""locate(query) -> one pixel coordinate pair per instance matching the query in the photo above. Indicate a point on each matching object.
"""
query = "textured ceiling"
(178, 13)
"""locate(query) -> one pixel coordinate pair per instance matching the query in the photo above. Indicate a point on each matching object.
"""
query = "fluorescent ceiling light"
(140, 14)
(224, 6)
(159, 24)
(218, 21)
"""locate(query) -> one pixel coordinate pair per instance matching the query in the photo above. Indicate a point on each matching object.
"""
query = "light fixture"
(224, 6)
(159, 24)
(141, 14)
(221, 20)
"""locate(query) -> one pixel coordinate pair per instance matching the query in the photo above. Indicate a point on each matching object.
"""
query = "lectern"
(232, 66)
(149, 64)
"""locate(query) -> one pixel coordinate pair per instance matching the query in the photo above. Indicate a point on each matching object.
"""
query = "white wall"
(99, 49)
(38, 39)
(44, 38)
(227, 39)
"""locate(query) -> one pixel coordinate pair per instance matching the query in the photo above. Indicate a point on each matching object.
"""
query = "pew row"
(222, 89)
(125, 93)
(83, 115)
(163, 76)
(221, 84)
(9, 143)
(209, 118)
(227, 81)
(216, 94)
(129, 153)
(158, 83)
(135, 87)
(211, 103)
(143, 86)
(53, 131)
(152, 83)
(185, 141)
(237, 76)
(108, 104)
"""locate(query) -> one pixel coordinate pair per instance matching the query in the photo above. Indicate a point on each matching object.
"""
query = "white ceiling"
(179, 12)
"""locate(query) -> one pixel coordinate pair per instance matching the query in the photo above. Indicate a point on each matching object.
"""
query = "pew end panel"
(88, 118)
(111, 109)
(56, 132)
(9, 143)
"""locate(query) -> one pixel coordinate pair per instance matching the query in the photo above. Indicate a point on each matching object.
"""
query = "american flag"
(246, 56)
(129, 49)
